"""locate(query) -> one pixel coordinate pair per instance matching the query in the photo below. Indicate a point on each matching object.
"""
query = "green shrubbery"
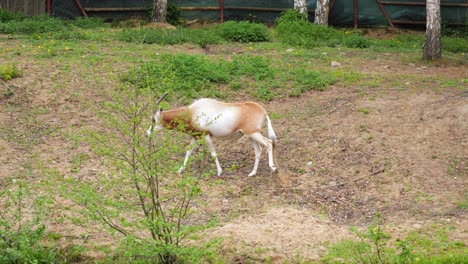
(6, 16)
(244, 31)
(304, 34)
(230, 31)
(9, 71)
(17, 24)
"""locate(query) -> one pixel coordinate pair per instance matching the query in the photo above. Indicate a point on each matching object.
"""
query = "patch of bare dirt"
(279, 234)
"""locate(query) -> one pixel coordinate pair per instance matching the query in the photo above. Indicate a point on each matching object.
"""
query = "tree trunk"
(321, 12)
(159, 11)
(431, 47)
(301, 6)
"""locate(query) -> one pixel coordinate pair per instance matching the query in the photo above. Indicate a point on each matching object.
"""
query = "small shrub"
(244, 31)
(357, 42)
(290, 16)
(308, 35)
(173, 15)
(9, 71)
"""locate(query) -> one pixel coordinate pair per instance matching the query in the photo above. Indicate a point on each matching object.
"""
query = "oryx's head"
(156, 117)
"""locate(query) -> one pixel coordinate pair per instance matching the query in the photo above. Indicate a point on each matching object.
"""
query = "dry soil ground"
(343, 155)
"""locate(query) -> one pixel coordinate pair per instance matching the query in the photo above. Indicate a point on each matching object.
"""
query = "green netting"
(342, 13)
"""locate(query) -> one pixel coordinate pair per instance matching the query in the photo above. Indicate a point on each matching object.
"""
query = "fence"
(27, 7)
(342, 12)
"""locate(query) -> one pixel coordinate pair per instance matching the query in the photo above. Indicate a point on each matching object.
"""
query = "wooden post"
(83, 12)
(48, 7)
(384, 12)
(355, 13)
(221, 10)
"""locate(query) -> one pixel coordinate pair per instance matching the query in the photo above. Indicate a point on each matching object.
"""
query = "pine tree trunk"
(321, 12)
(301, 6)
(159, 11)
(431, 47)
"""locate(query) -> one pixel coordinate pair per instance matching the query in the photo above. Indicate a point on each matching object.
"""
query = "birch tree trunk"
(321, 12)
(159, 11)
(431, 47)
(301, 6)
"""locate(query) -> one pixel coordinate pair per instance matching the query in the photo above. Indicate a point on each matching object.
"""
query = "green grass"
(427, 245)
(202, 37)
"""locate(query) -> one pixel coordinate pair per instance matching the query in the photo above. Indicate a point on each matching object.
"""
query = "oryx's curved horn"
(161, 98)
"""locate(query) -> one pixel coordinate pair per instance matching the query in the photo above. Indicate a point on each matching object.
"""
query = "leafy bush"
(244, 31)
(6, 16)
(290, 16)
(357, 42)
(173, 15)
(9, 71)
(142, 198)
(308, 35)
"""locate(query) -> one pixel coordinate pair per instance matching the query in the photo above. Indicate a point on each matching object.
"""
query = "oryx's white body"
(211, 118)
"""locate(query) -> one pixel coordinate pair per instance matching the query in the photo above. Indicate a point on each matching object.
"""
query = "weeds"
(373, 246)
(22, 230)
(9, 71)
(201, 37)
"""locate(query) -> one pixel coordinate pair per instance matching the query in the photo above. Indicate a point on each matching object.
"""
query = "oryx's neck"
(176, 115)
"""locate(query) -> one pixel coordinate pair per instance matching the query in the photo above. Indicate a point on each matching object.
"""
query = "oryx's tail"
(271, 132)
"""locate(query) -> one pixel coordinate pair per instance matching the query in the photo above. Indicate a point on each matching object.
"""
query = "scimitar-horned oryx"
(210, 118)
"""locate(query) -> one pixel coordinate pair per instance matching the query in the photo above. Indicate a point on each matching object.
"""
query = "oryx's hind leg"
(211, 147)
(258, 152)
(193, 146)
(257, 137)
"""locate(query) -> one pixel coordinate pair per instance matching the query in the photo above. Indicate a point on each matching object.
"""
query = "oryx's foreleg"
(193, 145)
(211, 147)
(258, 152)
(257, 137)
